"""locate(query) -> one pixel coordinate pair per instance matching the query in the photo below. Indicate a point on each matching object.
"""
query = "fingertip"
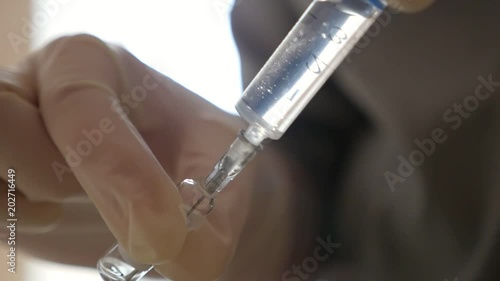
(76, 58)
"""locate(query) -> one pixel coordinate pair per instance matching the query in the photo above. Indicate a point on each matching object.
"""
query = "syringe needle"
(225, 170)
(195, 206)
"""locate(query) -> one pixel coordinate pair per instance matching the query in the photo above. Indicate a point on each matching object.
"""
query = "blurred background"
(189, 41)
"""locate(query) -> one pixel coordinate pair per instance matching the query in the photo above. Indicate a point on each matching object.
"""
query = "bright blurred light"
(189, 41)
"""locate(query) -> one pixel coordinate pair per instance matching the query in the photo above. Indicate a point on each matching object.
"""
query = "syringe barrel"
(312, 50)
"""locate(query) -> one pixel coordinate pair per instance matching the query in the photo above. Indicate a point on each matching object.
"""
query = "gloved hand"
(82, 117)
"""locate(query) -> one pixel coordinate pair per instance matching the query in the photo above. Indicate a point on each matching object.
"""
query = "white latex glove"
(61, 108)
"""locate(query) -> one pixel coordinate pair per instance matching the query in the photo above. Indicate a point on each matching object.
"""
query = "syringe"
(312, 50)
